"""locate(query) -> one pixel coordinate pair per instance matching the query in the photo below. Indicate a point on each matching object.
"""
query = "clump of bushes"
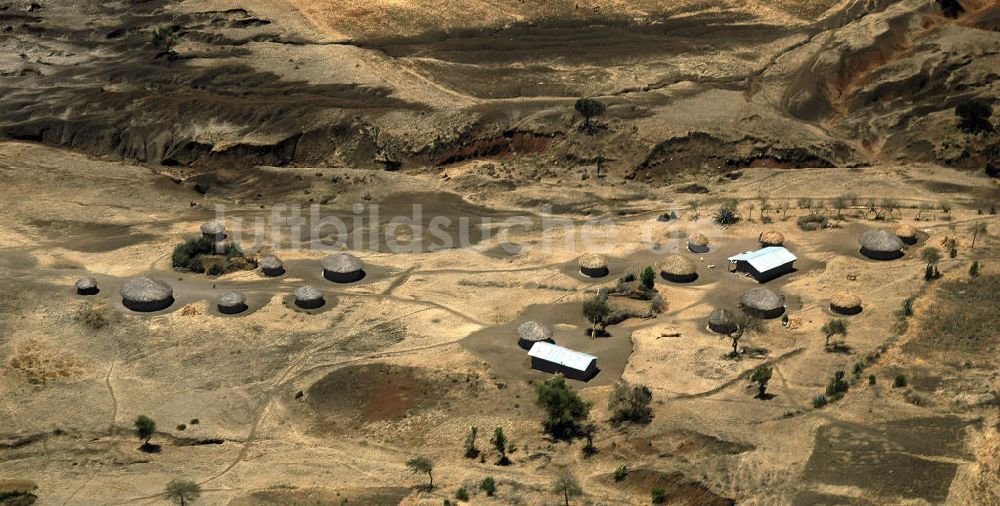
(462, 494)
(630, 403)
(837, 387)
(489, 486)
(899, 381)
(94, 316)
(811, 222)
(621, 472)
(727, 214)
(190, 255)
(659, 495)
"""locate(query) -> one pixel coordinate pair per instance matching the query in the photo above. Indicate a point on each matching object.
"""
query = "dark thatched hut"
(272, 266)
(678, 269)
(87, 286)
(231, 302)
(145, 294)
(881, 245)
(213, 230)
(531, 332)
(762, 303)
(307, 297)
(845, 303)
(723, 321)
(593, 266)
(343, 268)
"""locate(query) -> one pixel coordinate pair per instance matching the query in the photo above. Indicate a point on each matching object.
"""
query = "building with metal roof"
(764, 264)
(552, 358)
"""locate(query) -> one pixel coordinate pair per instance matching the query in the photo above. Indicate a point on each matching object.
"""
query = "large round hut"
(907, 234)
(698, 243)
(272, 266)
(678, 269)
(762, 303)
(723, 321)
(845, 303)
(343, 268)
(881, 245)
(307, 297)
(213, 230)
(87, 286)
(531, 332)
(231, 302)
(143, 293)
(593, 266)
(771, 238)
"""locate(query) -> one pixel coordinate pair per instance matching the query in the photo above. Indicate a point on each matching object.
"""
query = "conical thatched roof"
(761, 299)
(86, 284)
(723, 321)
(307, 294)
(342, 263)
(906, 232)
(698, 240)
(772, 238)
(592, 261)
(533, 331)
(146, 289)
(880, 241)
(214, 227)
(677, 265)
(846, 300)
(231, 299)
(271, 263)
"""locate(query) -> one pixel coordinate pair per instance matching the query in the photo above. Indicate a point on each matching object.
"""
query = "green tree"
(499, 442)
(974, 269)
(564, 407)
(974, 116)
(834, 327)
(422, 465)
(931, 255)
(566, 485)
(589, 108)
(761, 376)
(182, 492)
(488, 485)
(648, 278)
(471, 451)
(145, 427)
(596, 310)
(630, 403)
(977, 229)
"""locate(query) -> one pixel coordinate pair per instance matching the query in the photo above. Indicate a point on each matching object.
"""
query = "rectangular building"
(551, 358)
(764, 264)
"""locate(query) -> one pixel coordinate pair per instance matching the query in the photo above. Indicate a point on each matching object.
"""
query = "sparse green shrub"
(837, 386)
(621, 472)
(819, 401)
(183, 492)
(499, 442)
(899, 381)
(488, 485)
(630, 403)
(871, 379)
(974, 269)
(727, 214)
(811, 222)
(95, 316)
(648, 278)
(462, 494)
(659, 495)
(471, 451)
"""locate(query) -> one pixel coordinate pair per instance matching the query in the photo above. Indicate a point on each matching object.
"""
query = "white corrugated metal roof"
(562, 356)
(765, 259)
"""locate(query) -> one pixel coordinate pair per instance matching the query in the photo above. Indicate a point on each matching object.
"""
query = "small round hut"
(272, 266)
(678, 269)
(231, 302)
(343, 268)
(907, 234)
(698, 243)
(213, 230)
(771, 238)
(143, 293)
(593, 266)
(723, 321)
(762, 303)
(881, 245)
(845, 303)
(87, 286)
(531, 332)
(307, 297)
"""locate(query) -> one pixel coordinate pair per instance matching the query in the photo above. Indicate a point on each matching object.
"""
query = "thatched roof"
(533, 331)
(146, 289)
(677, 265)
(698, 240)
(772, 238)
(906, 232)
(723, 320)
(845, 300)
(342, 263)
(214, 227)
(762, 299)
(231, 299)
(880, 240)
(271, 263)
(86, 284)
(307, 293)
(592, 261)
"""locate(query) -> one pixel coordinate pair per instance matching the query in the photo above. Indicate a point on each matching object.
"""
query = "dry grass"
(40, 363)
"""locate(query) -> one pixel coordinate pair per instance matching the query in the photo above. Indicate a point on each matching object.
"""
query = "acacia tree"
(589, 108)
(564, 407)
(596, 310)
(182, 492)
(471, 451)
(422, 465)
(145, 427)
(977, 229)
(834, 327)
(761, 376)
(932, 256)
(566, 485)
(499, 442)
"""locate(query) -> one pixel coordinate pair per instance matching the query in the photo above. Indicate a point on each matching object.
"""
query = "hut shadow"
(329, 302)
(880, 256)
(765, 397)
(841, 348)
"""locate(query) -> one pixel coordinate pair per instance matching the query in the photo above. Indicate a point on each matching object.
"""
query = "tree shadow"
(148, 447)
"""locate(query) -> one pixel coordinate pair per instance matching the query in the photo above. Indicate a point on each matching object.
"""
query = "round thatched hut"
(307, 297)
(87, 286)
(907, 234)
(723, 321)
(231, 302)
(881, 245)
(771, 238)
(146, 294)
(213, 230)
(343, 268)
(593, 266)
(762, 303)
(698, 243)
(272, 266)
(531, 332)
(678, 269)
(845, 303)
